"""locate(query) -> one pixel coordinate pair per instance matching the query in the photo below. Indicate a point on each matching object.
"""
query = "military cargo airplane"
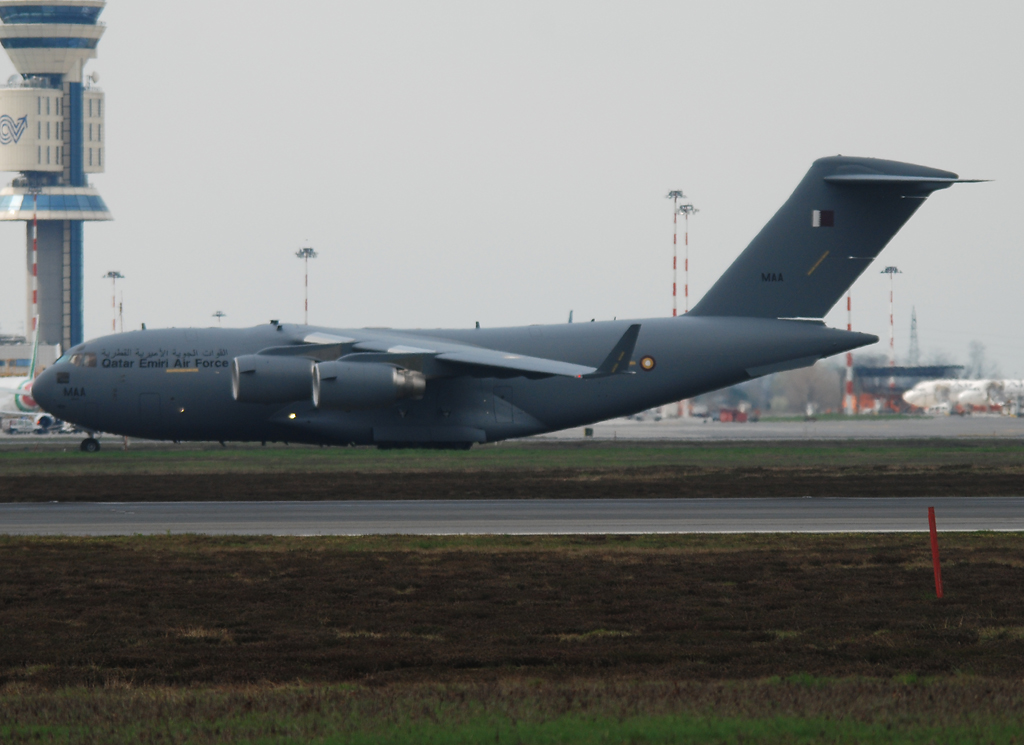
(455, 387)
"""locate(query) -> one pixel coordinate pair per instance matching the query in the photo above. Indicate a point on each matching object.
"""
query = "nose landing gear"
(90, 445)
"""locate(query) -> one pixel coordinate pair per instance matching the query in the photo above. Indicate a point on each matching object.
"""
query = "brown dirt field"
(648, 482)
(189, 610)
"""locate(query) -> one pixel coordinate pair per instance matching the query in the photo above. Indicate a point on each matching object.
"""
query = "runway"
(980, 426)
(860, 428)
(519, 517)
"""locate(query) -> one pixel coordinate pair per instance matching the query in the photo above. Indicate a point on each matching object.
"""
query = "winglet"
(617, 361)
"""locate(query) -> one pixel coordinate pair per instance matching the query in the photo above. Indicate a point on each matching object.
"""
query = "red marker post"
(935, 552)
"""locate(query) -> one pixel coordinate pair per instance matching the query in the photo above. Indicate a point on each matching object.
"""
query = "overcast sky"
(505, 163)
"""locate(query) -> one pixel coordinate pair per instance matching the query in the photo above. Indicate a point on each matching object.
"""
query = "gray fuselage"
(175, 384)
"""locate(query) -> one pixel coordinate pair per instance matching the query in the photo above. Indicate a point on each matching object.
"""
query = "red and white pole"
(892, 332)
(306, 254)
(891, 270)
(35, 268)
(675, 252)
(675, 195)
(686, 261)
(687, 210)
(892, 347)
(851, 402)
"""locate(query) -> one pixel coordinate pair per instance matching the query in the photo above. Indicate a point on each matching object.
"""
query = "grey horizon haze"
(460, 162)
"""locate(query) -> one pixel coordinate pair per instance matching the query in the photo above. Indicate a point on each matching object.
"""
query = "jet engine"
(363, 385)
(270, 379)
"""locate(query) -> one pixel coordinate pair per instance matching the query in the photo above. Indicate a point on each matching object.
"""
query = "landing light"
(291, 416)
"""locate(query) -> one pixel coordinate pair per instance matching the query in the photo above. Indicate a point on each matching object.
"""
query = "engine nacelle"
(270, 379)
(363, 385)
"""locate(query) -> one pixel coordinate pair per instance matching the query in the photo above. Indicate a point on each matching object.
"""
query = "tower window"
(90, 156)
(99, 156)
(90, 107)
(90, 133)
(47, 105)
(47, 155)
(47, 130)
(99, 107)
(39, 130)
(99, 132)
(39, 104)
(39, 154)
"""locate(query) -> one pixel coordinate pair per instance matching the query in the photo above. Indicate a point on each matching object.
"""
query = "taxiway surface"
(524, 517)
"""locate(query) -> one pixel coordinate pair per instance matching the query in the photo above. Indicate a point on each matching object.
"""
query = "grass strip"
(845, 710)
(562, 731)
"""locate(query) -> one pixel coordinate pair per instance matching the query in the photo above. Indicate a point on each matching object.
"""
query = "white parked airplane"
(931, 394)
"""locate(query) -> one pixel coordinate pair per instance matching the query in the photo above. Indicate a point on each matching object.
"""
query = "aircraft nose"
(45, 388)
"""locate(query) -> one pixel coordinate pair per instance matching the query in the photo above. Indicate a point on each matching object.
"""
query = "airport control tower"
(51, 133)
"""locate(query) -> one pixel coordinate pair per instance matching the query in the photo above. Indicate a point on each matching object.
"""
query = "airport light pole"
(891, 271)
(686, 210)
(219, 315)
(675, 195)
(306, 254)
(113, 277)
(851, 402)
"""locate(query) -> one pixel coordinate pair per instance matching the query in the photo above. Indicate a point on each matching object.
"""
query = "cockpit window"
(76, 360)
(89, 359)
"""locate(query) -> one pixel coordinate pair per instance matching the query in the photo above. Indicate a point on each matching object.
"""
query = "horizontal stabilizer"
(937, 182)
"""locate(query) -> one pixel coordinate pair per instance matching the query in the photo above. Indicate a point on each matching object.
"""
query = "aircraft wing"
(519, 362)
(437, 357)
(458, 359)
(465, 355)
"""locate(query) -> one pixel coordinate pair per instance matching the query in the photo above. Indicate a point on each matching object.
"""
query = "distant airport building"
(52, 135)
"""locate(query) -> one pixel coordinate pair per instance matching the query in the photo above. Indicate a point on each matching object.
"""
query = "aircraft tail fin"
(839, 218)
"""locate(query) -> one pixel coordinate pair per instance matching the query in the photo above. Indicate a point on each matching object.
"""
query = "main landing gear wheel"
(90, 445)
